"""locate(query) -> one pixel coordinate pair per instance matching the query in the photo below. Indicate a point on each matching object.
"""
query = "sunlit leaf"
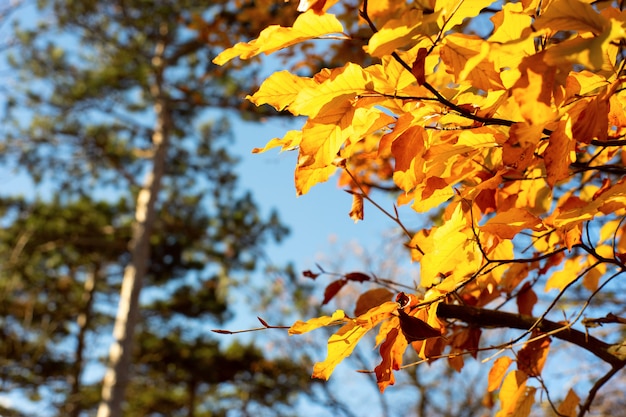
(497, 372)
(342, 343)
(300, 327)
(454, 12)
(571, 15)
(308, 25)
(449, 248)
(559, 153)
(340, 346)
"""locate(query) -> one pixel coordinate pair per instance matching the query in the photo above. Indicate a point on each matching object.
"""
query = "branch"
(491, 318)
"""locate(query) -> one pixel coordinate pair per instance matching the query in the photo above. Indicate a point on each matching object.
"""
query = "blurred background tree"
(109, 105)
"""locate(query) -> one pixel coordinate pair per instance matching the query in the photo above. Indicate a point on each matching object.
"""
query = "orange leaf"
(559, 153)
(497, 372)
(468, 58)
(391, 351)
(532, 357)
(402, 32)
(571, 15)
(508, 223)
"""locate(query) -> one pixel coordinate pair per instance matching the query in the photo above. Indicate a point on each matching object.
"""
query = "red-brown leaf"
(357, 276)
(332, 289)
(416, 329)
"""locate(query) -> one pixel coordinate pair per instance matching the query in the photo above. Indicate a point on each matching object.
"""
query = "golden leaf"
(469, 59)
(340, 346)
(508, 223)
(454, 12)
(515, 397)
(308, 25)
(280, 90)
(342, 343)
(301, 327)
(571, 15)
(450, 250)
(290, 141)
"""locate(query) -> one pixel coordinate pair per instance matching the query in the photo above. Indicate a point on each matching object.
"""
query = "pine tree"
(106, 120)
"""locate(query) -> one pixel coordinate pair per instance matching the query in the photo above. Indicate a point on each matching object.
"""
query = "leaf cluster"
(508, 122)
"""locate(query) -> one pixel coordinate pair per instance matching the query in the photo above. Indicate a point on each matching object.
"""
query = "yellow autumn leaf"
(306, 176)
(515, 397)
(589, 52)
(342, 343)
(308, 25)
(340, 346)
(509, 23)
(469, 59)
(562, 278)
(290, 141)
(301, 327)
(606, 202)
(342, 85)
(280, 89)
(324, 136)
(454, 12)
(449, 250)
(571, 15)
(402, 33)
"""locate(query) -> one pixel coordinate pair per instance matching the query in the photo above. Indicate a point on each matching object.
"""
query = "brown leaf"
(370, 299)
(526, 299)
(418, 69)
(332, 289)
(310, 274)
(532, 356)
(357, 276)
(416, 329)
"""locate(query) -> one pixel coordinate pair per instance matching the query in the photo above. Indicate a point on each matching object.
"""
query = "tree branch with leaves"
(505, 121)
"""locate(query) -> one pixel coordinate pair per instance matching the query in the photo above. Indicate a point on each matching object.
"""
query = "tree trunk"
(72, 406)
(118, 372)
